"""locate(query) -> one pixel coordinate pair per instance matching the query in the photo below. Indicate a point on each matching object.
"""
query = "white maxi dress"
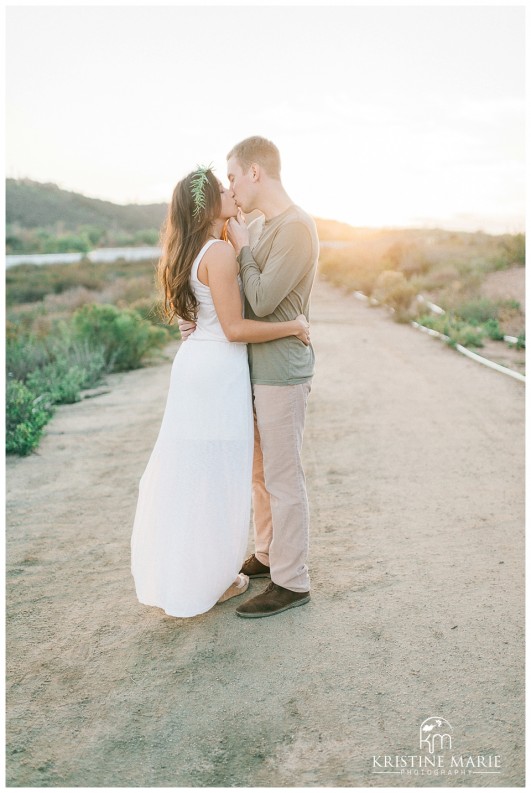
(192, 519)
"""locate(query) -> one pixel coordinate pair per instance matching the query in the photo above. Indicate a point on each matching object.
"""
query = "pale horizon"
(385, 117)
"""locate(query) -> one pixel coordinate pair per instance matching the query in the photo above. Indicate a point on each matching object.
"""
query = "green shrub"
(493, 330)
(58, 366)
(24, 354)
(94, 234)
(152, 311)
(28, 283)
(25, 280)
(147, 237)
(80, 355)
(148, 309)
(63, 380)
(392, 288)
(513, 246)
(483, 309)
(123, 334)
(73, 356)
(466, 335)
(68, 243)
(454, 264)
(26, 417)
(60, 382)
(520, 342)
(459, 332)
(54, 351)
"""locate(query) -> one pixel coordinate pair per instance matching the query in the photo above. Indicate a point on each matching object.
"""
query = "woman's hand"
(302, 329)
(237, 232)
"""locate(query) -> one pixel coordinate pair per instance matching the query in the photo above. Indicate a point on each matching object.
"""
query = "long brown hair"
(184, 233)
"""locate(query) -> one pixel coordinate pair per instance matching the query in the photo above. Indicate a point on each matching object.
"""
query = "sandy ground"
(506, 284)
(414, 460)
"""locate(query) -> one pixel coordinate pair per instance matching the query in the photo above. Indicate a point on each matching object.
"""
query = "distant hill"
(34, 204)
(41, 217)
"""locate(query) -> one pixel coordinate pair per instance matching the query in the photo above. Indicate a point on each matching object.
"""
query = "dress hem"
(178, 616)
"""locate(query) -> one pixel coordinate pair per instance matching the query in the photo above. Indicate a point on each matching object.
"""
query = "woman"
(192, 519)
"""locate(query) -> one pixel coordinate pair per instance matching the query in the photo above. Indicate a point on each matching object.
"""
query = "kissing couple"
(235, 411)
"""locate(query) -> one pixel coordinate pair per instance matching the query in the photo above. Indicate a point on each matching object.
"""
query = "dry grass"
(448, 268)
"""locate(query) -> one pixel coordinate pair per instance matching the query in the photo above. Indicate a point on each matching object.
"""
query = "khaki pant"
(280, 502)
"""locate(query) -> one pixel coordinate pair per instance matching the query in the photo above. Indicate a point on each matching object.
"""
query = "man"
(277, 274)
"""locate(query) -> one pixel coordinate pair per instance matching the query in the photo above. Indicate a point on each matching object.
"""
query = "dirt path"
(414, 459)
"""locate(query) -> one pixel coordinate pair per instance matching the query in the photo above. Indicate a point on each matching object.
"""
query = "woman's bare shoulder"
(220, 254)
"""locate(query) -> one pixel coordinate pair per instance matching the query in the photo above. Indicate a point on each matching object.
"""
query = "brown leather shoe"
(273, 600)
(255, 569)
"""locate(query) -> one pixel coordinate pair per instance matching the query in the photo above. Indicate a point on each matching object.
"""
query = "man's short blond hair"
(259, 150)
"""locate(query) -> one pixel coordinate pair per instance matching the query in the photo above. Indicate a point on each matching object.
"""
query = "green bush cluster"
(26, 417)
(514, 249)
(493, 330)
(63, 380)
(82, 239)
(394, 265)
(393, 289)
(482, 310)
(469, 323)
(519, 344)
(458, 331)
(468, 334)
(125, 337)
(24, 354)
(29, 283)
(44, 372)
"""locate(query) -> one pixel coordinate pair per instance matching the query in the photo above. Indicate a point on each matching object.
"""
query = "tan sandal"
(237, 588)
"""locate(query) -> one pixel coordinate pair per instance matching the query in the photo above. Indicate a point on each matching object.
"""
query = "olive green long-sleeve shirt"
(278, 275)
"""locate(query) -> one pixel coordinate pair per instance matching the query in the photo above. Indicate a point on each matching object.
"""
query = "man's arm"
(288, 262)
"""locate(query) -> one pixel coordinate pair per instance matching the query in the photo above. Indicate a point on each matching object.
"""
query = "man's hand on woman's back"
(186, 328)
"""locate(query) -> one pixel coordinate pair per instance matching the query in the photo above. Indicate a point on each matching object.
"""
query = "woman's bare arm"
(222, 269)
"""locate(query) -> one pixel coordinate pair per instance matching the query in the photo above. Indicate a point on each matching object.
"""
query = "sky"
(384, 116)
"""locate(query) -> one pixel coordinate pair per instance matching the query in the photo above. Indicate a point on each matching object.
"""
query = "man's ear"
(255, 171)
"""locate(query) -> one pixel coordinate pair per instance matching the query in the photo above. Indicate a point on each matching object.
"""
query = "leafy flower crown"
(197, 185)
